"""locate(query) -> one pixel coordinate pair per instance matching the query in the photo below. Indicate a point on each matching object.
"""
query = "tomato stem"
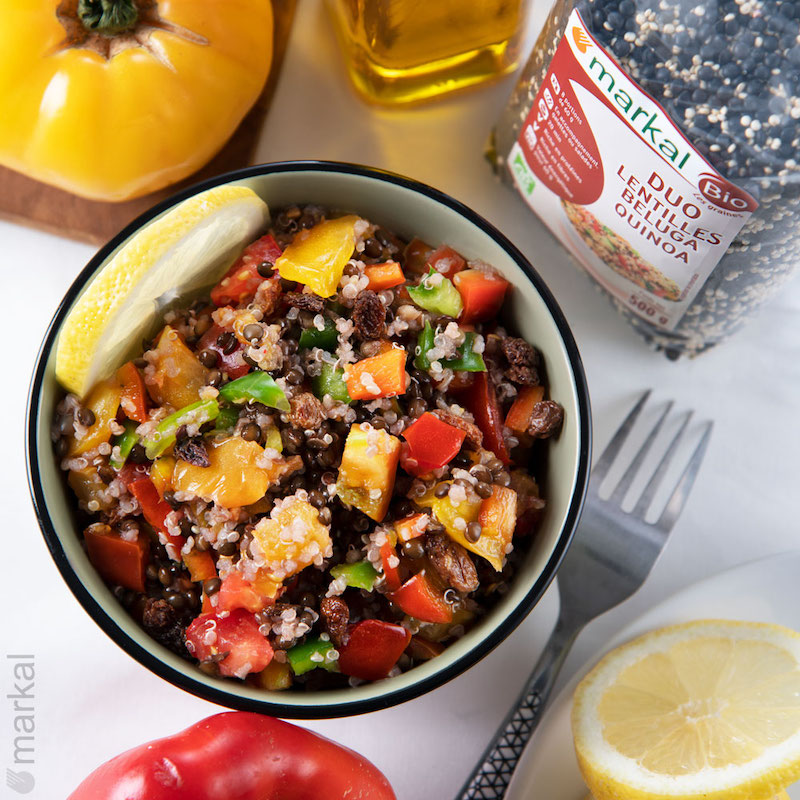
(108, 17)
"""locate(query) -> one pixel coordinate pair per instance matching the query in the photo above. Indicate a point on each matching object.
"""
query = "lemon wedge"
(779, 796)
(185, 249)
(709, 709)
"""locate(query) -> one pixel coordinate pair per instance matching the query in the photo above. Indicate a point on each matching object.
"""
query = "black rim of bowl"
(269, 705)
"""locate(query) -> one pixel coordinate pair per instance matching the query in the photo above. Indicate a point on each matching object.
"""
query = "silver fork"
(611, 555)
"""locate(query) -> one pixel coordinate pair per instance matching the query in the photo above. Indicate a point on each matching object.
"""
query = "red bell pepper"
(236, 592)
(134, 396)
(420, 599)
(373, 649)
(237, 754)
(446, 260)
(384, 276)
(391, 573)
(432, 443)
(519, 415)
(118, 561)
(411, 527)
(482, 294)
(236, 634)
(154, 509)
(241, 281)
(233, 363)
(480, 399)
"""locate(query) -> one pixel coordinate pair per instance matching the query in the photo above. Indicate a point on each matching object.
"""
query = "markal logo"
(23, 720)
(582, 41)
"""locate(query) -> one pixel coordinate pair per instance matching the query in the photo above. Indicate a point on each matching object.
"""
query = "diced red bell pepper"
(134, 396)
(241, 281)
(420, 599)
(432, 443)
(411, 527)
(384, 276)
(390, 563)
(154, 509)
(233, 363)
(415, 257)
(117, 560)
(373, 649)
(519, 415)
(482, 294)
(200, 564)
(480, 399)
(236, 634)
(236, 592)
(133, 472)
(446, 261)
(386, 372)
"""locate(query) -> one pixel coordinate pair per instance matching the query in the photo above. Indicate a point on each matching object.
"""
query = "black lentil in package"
(659, 141)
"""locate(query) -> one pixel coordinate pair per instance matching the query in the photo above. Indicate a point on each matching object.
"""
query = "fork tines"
(680, 494)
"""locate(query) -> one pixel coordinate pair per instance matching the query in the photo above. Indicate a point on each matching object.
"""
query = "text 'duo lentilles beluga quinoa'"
(321, 473)
(659, 141)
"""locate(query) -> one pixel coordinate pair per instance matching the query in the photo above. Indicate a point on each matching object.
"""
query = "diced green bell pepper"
(300, 656)
(325, 339)
(258, 386)
(359, 575)
(467, 359)
(227, 418)
(125, 442)
(331, 381)
(424, 344)
(196, 413)
(274, 440)
(439, 297)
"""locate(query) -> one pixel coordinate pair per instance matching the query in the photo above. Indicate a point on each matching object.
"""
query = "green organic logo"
(523, 174)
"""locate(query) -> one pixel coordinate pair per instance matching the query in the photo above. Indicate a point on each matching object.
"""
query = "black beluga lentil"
(728, 75)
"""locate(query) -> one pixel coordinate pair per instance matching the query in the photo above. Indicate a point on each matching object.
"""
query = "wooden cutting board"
(30, 202)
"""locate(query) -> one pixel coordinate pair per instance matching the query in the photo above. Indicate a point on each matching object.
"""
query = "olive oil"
(406, 51)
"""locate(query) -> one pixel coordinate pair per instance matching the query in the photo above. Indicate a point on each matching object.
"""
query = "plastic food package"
(659, 141)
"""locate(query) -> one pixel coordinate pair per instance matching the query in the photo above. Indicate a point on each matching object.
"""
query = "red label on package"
(620, 185)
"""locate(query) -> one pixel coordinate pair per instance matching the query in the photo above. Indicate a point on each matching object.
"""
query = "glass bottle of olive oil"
(405, 51)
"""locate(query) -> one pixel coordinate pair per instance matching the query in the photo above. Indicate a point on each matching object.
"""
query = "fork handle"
(491, 777)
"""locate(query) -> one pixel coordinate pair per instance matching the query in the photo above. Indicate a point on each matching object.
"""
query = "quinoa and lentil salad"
(316, 475)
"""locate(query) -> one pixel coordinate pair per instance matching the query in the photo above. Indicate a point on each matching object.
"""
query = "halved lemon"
(709, 709)
(185, 249)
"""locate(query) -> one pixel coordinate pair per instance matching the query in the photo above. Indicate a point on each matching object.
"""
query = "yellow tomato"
(115, 115)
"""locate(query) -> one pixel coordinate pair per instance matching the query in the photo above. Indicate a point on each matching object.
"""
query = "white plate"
(760, 591)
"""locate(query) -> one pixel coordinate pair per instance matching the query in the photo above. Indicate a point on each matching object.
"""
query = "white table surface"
(93, 701)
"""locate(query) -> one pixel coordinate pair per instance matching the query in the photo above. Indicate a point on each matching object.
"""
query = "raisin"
(306, 412)
(546, 419)
(369, 315)
(522, 361)
(336, 614)
(192, 449)
(305, 301)
(451, 562)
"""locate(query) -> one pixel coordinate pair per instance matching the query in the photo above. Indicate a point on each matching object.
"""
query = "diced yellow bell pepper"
(275, 677)
(87, 485)
(497, 516)
(290, 538)
(103, 400)
(368, 469)
(317, 257)
(178, 376)
(233, 478)
(161, 473)
(273, 439)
